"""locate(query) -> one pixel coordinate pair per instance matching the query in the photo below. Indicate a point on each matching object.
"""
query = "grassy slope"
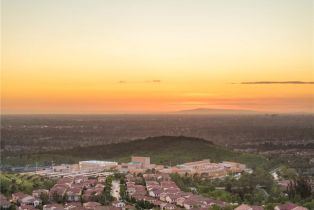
(11, 182)
(162, 150)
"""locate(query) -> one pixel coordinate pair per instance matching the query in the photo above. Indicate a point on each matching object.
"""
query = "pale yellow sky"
(96, 56)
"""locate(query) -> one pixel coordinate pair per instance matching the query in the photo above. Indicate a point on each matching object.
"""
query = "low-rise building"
(91, 205)
(37, 193)
(118, 204)
(206, 168)
(26, 207)
(4, 202)
(289, 206)
(73, 206)
(24, 199)
(58, 192)
(97, 165)
(53, 206)
(73, 194)
(168, 206)
(248, 207)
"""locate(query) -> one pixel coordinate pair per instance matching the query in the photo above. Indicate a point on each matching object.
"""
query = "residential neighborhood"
(134, 185)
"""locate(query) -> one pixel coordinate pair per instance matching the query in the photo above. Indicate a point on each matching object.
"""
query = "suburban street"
(116, 189)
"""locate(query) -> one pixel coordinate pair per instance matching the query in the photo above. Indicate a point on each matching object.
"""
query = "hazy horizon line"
(178, 112)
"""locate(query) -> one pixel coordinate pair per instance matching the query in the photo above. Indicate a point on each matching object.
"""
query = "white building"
(97, 165)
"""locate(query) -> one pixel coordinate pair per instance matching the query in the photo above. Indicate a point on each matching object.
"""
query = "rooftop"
(96, 161)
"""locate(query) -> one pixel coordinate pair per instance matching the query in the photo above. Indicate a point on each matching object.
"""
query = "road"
(115, 190)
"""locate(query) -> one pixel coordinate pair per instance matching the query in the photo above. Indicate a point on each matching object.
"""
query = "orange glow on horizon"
(141, 57)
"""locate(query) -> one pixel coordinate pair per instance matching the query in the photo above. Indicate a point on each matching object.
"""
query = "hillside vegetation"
(167, 150)
(10, 183)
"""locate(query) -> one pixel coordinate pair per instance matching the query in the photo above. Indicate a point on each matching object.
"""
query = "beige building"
(145, 161)
(97, 165)
(206, 168)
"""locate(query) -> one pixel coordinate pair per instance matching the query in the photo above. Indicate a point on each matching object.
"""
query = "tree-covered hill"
(168, 150)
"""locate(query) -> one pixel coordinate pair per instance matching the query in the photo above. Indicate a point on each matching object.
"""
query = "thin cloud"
(276, 82)
(156, 81)
(139, 82)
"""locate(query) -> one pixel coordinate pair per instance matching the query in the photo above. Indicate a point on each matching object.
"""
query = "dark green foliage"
(121, 177)
(167, 150)
(252, 188)
(215, 207)
(123, 193)
(299, 187)
(58, 198)
(309, 204)
(143, 205)
(105, 198)
(44, 197)
(12, 207)
(287, 173)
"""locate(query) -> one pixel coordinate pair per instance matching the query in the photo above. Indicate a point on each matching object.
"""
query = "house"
(289, 206)
(172, 190)
(162, 196)
(4, 202)
(58, 190)
(128, 207)
(129, 177)
(24, 199)
(138, 197)
(99, 185)
(248, 207)
(101, 179)
(118, 204)
(79, 208)
(73, 206)
(89, 194)
(163, 177)
(130, 188)
(190, 203)
(26, 207)
(180, 201)
(91, 205)
(283, 185)
(89, 183)
(208, 202)
(144, 161)
(74, 194)
(140, 190)
(171, 198)
(150, 177)
(168, 206)
(168, 184)
(53, 206)
(17, 196)
(155, 193)
(65, 180)
(156, 202)
(107, 208)
(80, 179)
(37, 193)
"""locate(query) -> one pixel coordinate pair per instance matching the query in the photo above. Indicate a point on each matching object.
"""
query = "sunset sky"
(141, 56)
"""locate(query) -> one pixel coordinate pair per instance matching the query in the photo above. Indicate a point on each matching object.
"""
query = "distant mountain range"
(205, 111)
